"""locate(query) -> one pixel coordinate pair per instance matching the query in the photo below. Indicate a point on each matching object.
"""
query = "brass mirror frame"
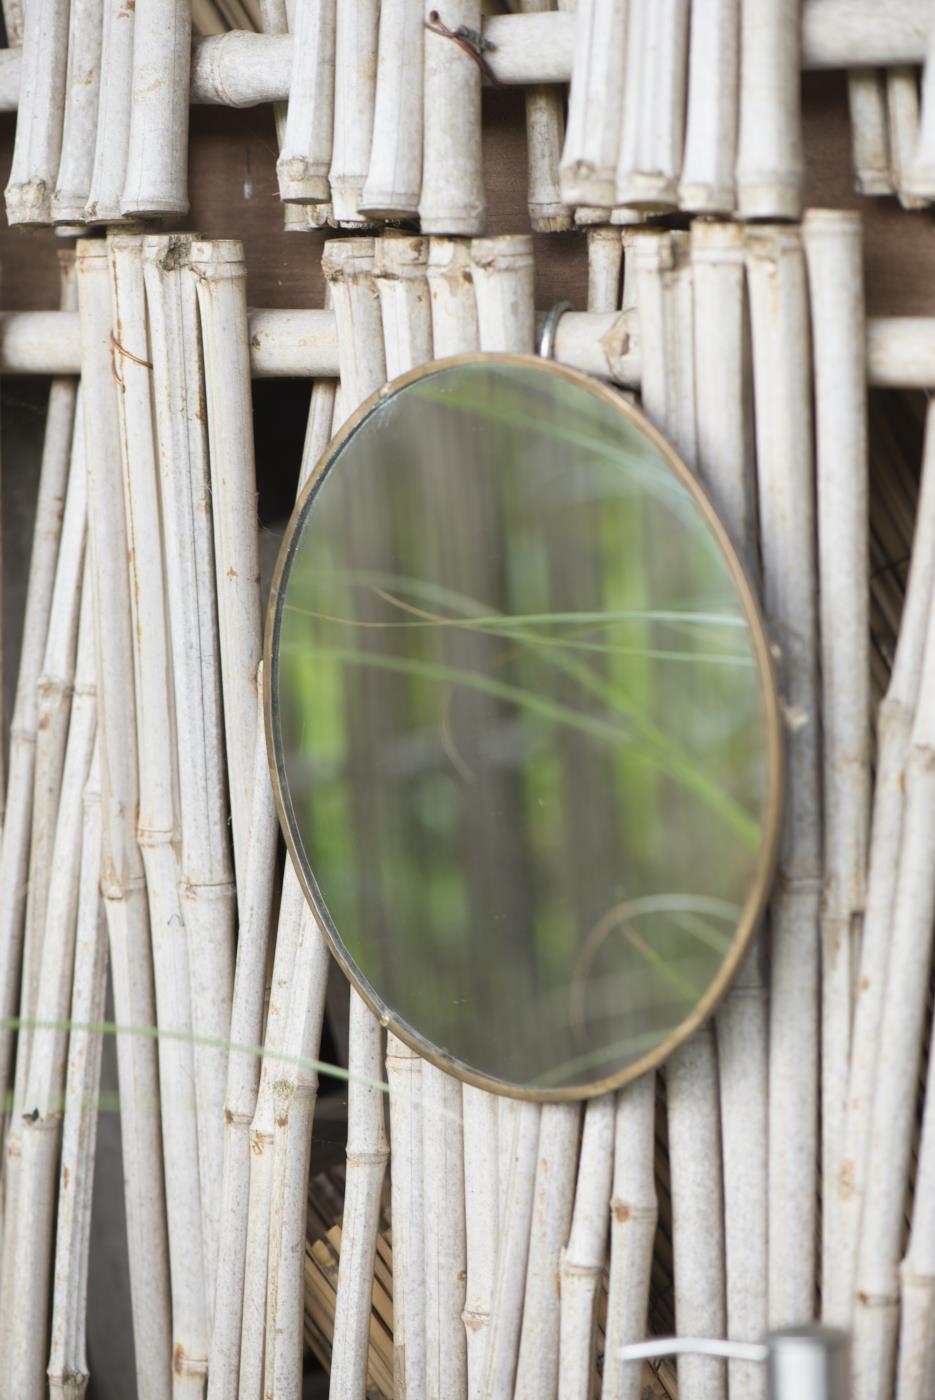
(765, 865)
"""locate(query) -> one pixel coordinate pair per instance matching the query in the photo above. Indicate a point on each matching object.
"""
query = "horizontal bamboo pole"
(303, 344)
(241, 69)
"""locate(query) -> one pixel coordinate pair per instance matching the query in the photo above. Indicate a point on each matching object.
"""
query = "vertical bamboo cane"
(537, 1368)
(305, 157)
(404, 1079)
(782, 384)
(919, 178)
(769, 158)
(400, 269)
(633, 1212)
(725, 465)
(545, 135)
(274, 19)
(902, 106)
(68, 1363)
(354, 93)
(664, 290)
(443, 1166)
(156, 178)
(13, 22)
(452, 198)
(707, 179)
(605, 259)
(506, 1312)
(15, 851)
(902, 1030)
(348, 265)
(113, 114)
(650, 156)
(122, 883)
(870, 142)
(207, 889)
(250, 1385)
(502, 269)
(916, 1364)
(220, 277)
(82, 95)
(294, 1095)
(394, 175)
(896, 715)
(243, 1071)
(697, 1209)
(156, 814)
(451, 288)
(592, 137)
(835, 269)
(367, 1155)
(583, 1258)
(35, 1204)
(38, 141)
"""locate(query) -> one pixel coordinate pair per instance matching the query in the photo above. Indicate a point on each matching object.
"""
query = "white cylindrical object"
(400, 266)
(664, 297)
(156, 178)
(650, 156)
(82, 95)
(770, 168)
(451, 288)
(452, 198)
(583, 1258)
(348, 265)
(706, 185)
(902, 106)
(394, 176)
(113, 115)
(38, 140)
(916, 1361)
(785, 473)
(503, 272)
(482, 1224)
(443, 1168)
(404, 1078)
(545, 136)
(355, 79)
(835, 271)
(870, 142)
(305, 158)
(592, 137)
(220, 277)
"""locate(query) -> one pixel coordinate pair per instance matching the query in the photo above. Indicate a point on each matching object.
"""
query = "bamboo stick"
(782, 384)
(895, 719)
(306, 143)
(519, 1164)
(545, 135)
(394, 175)
(452, 198)
(502, 271)
(348, 266)
(592, 137)
(156, 817)
(404, 1072)
(451, 289)
(902, 1029)
(667, 378)
(367, 1155)
(443, 1169)
(538, 1365)
(902, 105)
(14, 855)
(354, 93)
(82, 95)
(220, 278)
(706, 185)
(253, 1326)
(650, 156)
(122, 883)
(919, 177)
(835, 268)
(38, 140)
(482, 1225)
(207, 890)
(605, 261)
(294, 1096)
(866, 95)
(113, 114)
(633, 1212)
(697, 1209)
(156, 177)
(916, 1356)
(274, 21)
(41, 1120)
(243, 1071)
(769, 155)
(583, 1258)
(13, 22)
(400, 267)
(68, 1363)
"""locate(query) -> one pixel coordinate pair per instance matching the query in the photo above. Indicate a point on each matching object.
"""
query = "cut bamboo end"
(394, 174)
(503, 272)
(452, 198)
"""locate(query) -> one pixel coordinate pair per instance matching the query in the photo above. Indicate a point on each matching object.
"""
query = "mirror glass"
(523, 725)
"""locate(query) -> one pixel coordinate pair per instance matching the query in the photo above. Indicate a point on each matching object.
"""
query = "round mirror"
(522, 725)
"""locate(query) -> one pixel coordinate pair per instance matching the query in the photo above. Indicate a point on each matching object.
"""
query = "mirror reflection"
(522, 724)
